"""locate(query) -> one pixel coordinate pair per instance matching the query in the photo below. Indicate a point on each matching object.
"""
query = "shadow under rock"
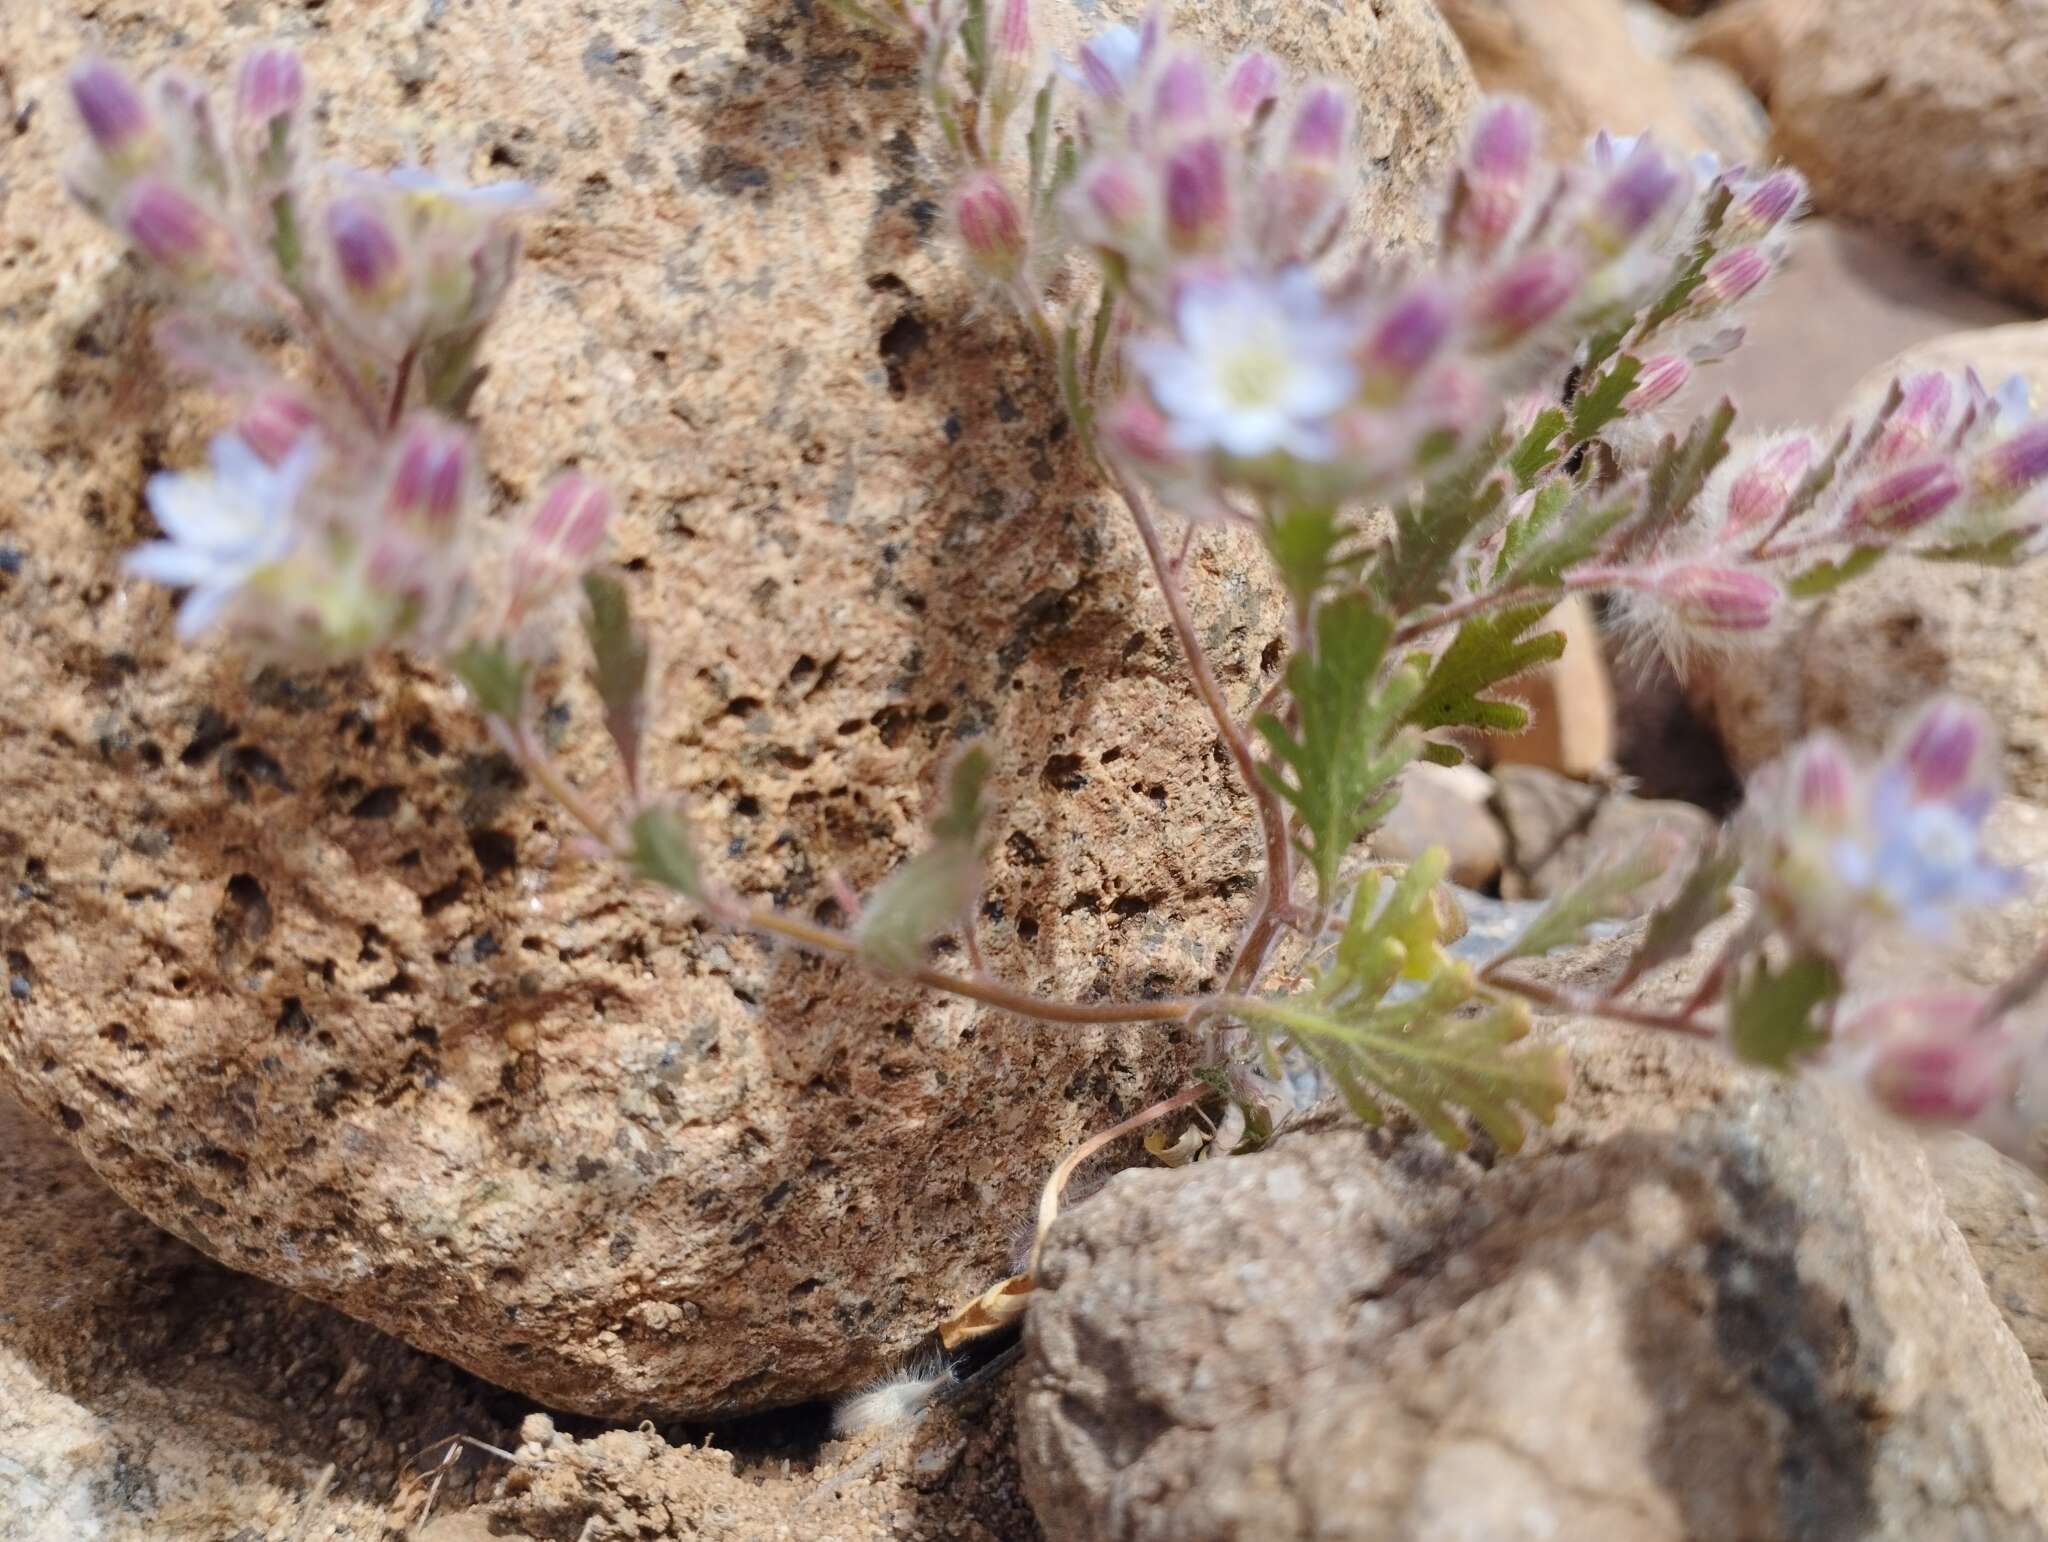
(192, 1373)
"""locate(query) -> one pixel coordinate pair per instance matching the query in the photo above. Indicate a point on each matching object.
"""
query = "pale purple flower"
(223, 526)
(487, 200)
(1258, 365)
(1109, 62)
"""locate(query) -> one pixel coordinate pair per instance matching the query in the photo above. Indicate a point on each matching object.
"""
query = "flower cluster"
(335, 516)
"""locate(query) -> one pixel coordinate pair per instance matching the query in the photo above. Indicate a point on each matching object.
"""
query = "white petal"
(195, 510)
(201, 609)
(166, 562)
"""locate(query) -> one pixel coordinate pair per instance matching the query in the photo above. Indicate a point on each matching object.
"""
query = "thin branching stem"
(1583, 1005)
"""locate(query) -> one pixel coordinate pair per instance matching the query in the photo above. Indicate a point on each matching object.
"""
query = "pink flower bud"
(271, 85)
(1535, 287)
(171, 228)
(1111, 202)
(1408, 337)
(1732, 275)
(1823, 781)
(1254, 81)
(1660, 378)
(1139, 432)
(431, 477)
(1639, 190)
(1760, 493)
(365, 248)
(1013, 31)
(1504, 141)
(274, 424)
(2012, 465)
(1926, 403)
(991, 226)
(1322, 126)
(1767, 205)
(1197, 195)
(1720, 599)
(571, 519)
(1946, 749)
(1908, 498)
(1181, 94)
(111, 108)
(1943, 1073)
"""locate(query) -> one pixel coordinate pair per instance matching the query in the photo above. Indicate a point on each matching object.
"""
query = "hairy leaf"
(1431, 529)
(618, 654)
(1826, 577)
(1700, 901)
(1349, 743)
(935, 890)
(1681, 471)
(1771, 1012)
(663, 851)
(1301, 541)
(1538, 449)
(1544, 510)
(1487, 651)
(1599, 403)
(1602, 895)
(2006, 550)
(493, 677)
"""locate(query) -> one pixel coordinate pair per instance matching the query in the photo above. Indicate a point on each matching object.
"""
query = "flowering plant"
(1431, 455)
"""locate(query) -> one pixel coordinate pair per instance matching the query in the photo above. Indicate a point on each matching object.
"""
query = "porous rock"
(1709, 1304)
(1938, 130)
(1858, 659)
(312, 979)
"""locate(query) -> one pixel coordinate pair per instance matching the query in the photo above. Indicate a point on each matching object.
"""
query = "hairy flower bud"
(111, 108)
(1945, 749)
(1180, 95)
(1406, 339)
(1931, 1064)
(271, 85)
(1139, 431)
(1766, 206)
(2012, 465)
(560, 541)
(1254, 82)
(1907, 498)
(1823, 781)
(1322, 125)
(1534, 288)
(1761, 492)
(274, 423)
(1731, 277)
(1503, 141)
(430, 479)
(1717, 598)
(1198, 196)
(1111, 203)
(1660, 378)
(991, 226)
(366, 250)
(1926, 404)
(1640, 190)
(172, 229)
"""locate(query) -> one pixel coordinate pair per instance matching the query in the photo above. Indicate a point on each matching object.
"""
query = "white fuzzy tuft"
(895, 1397)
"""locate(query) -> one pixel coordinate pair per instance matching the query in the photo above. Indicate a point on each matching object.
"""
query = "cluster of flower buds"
(333, 518)
(1839, 851)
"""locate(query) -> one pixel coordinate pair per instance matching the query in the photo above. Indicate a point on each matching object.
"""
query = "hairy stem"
(1272, 818)
(1584, 1005)
(533, 759)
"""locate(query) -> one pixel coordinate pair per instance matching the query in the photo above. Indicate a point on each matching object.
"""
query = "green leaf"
(1039, 139)
(1605, 894)
(1437, 1065)
(1348, 745)
(1430, 530)
(618, 655)
(1487, 651)
(974, 42)
(1701, 900)
(1771, 1013)
(934, 891)
(1571, 539)
(1680, 472)
(1826, 577)
(1599, 403)
(1539, 449)
(1301, 540)
(2006, 550)
(1520, 533)
(1382, 943)
(663, 851)
(494, 678)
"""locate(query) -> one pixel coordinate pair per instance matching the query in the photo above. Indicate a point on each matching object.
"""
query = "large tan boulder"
(1710, 1304)
(1930, 120)
(1612, 64)
(1877, 647)
(312, 979)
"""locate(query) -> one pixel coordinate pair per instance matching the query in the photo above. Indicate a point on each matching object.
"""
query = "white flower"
(490, 199)
(224, 525)
(1258, 366)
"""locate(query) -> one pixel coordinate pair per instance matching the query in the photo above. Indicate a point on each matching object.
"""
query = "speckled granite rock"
(312, 980)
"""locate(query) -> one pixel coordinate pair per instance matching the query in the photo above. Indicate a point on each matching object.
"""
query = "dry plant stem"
(1582, 1005)
(1272, 819)
(823, 939)
(1056, 1185)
